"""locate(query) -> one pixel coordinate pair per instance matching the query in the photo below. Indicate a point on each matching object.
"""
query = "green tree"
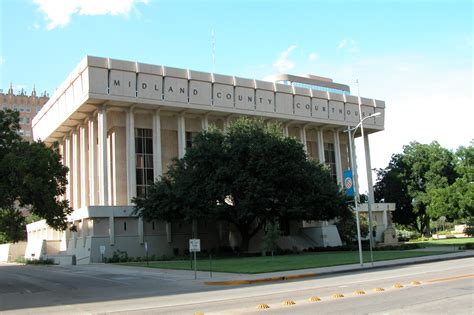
(32, 177)
(248, 176)
(410, 178)
(456, 201)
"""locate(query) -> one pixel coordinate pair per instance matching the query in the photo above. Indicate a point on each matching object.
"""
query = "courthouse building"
(119, 125)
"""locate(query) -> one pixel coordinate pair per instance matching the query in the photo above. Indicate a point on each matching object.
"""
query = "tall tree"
(409, 178)
(31, 177)
(247, 176)
(456, 201)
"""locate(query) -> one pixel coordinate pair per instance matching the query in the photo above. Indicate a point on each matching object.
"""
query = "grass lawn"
(252, 265)
(446, 242)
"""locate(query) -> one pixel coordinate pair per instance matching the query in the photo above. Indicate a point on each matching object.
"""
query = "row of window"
(24, 120)
(26, 133)
(144, 157)
(21, 108)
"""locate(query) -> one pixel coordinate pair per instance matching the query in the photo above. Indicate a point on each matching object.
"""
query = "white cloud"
(283, 63)
(58, 12)
(348, 44)
(342, 44)
(312, 57)
(2, 60)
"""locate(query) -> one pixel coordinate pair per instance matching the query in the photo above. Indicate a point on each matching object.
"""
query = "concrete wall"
(11, 252)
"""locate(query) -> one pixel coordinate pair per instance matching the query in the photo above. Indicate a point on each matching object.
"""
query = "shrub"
(40, 261)
(469, 230)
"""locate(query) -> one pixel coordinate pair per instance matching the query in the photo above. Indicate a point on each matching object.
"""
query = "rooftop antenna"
(213, 39)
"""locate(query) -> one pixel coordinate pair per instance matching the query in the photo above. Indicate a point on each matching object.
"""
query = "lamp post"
(351, 132)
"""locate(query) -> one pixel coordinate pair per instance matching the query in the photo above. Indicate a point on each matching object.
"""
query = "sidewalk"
(237, 279)
(232, 279)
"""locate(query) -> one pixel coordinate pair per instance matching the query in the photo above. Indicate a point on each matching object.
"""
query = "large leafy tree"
(248, 176)
(410, 178)
(32, 179)
(456, 201)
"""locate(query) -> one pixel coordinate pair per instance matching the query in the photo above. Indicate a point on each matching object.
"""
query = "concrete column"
(131, 157)
(83, 137)
(157, 166)
(181, 136)
(285, 130)
(303, 138)
(67, 162)
(337, 153)
(321, 157)
(76, 183)
(92, 161)
(102, 156)
(368, 165)
(112, 229)
(83, 232)
(140, 230)
(205, 122)
(112, 169)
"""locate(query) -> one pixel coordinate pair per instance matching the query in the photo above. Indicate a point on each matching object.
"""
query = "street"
(444, 287)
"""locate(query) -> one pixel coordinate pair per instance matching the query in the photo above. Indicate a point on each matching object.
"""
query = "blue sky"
(415, 55)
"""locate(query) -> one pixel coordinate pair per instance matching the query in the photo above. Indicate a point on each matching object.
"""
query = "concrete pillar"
(67, 162)
(141, 231)
(92, 131)
(303, 138)
(285, 130)
(157, 166)
(205, 122)
(131, 157)
(112, 229)
(83, 138)
(337, 153)
(321, 157)
(181, 136)
(76, 183)
(368, 165)
(102, 155)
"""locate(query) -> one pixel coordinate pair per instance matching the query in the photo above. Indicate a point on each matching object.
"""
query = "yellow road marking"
(451, 278)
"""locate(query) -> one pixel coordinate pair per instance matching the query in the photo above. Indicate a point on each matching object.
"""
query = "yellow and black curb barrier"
(415, 282)
(379, 289)
(288, 302)
(337, 296)
(398, 285)
(262, 306)
(198, 313)
(314, 299)
(359, 292)
(261, 280)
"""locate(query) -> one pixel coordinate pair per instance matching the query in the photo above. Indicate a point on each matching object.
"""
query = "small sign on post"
(194, 247)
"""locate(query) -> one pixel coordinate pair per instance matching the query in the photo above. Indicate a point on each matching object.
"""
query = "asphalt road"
(446, 287)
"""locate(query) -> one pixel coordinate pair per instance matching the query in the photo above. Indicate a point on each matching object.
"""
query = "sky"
(417, 56)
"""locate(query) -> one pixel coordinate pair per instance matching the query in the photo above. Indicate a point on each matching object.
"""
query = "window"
(330, 157)
(189, 139)
(5, 107)
(28, 108)
(124, 226)
(22, 109)
(144, 159)
(38, 108)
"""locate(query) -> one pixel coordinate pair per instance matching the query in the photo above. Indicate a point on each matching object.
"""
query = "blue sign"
(348, 183)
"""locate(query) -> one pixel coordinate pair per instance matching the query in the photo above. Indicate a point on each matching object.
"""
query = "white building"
(120, 123)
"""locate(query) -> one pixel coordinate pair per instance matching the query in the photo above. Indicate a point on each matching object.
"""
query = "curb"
(312, 275)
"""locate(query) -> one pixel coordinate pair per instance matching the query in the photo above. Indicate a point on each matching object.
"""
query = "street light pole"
(356, 195)
(369, 181)
(351, 133)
